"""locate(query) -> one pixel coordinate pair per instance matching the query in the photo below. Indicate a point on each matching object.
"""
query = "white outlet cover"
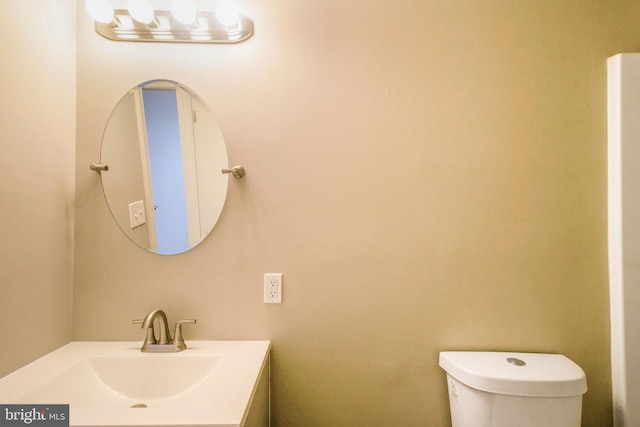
(137, 216)
(273, 288)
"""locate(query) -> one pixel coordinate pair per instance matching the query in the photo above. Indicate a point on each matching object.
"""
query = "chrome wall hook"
(97, 167)
(236, 171)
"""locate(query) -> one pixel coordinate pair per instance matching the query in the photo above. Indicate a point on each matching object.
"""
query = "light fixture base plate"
(166, 29)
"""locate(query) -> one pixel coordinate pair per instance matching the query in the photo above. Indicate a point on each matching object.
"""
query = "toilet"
(496, 389)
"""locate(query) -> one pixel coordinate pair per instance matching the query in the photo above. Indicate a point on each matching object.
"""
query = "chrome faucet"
(164, 343)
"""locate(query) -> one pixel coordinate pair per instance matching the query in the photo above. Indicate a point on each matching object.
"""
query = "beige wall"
(37, 137)
(428, 175)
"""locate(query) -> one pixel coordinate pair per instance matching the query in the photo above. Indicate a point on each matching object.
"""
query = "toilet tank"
(497, 389)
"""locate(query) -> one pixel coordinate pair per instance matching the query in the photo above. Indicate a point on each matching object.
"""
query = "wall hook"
(97, 167)
(236, 171)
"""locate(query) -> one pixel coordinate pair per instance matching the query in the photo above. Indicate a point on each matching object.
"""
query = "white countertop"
(221, 398)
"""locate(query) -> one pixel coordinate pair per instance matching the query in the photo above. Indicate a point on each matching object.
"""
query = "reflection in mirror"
(165, 150)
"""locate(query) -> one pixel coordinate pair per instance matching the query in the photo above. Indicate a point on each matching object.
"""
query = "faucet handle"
(178, 339)
(151, 337)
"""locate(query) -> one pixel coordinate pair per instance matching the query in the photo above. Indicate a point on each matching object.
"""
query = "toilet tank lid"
(541, 375)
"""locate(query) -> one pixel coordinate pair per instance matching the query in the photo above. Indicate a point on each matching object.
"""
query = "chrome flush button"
(516, 362)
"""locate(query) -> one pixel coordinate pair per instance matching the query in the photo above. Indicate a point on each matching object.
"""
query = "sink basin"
(119, 380)
(212, 383)
(154, 377)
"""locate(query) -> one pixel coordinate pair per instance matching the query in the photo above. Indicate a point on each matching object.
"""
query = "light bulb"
(141, 11)
(184, 11)
(227, 13)
(100, 10)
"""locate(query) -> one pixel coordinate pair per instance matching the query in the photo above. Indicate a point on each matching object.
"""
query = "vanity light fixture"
(184, 23)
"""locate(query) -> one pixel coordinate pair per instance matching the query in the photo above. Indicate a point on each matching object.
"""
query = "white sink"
(116, 381)
(212, 383)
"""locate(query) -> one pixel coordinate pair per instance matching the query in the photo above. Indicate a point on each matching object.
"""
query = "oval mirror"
(164, 151)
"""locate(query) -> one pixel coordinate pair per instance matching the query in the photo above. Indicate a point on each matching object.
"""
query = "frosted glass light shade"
(141, 11)
(227, 13)
(100, 10)
(184, 11)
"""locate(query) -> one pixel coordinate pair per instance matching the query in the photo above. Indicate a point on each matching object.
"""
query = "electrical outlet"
(273, 288)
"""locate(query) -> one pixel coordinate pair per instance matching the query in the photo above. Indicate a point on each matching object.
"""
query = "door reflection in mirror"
(166, 168)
